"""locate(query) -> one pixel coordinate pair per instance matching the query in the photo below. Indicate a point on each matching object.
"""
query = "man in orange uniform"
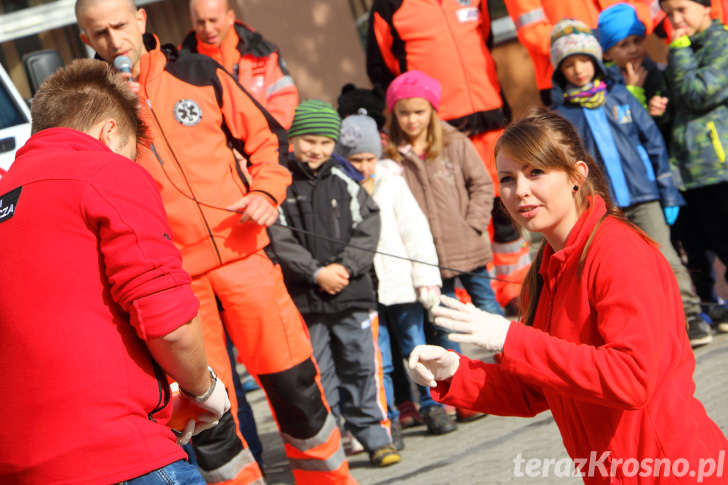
(256, 63)
(535, 19)
(197, 113)
(449, 40)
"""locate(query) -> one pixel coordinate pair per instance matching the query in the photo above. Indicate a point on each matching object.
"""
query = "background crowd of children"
(399, 202)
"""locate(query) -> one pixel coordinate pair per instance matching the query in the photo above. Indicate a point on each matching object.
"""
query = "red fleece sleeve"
(122, 205)
(486, 388)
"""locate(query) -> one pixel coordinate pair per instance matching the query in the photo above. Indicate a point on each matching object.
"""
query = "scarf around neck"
(591, 95)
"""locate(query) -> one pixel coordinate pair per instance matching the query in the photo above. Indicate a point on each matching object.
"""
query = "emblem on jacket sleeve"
(187, 112)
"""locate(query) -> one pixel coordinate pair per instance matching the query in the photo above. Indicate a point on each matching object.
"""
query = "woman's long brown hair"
(545, 140)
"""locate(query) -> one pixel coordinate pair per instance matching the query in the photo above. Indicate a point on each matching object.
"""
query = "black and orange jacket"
(198, 113)
(447, 39)
(535, 19)
(257, 65)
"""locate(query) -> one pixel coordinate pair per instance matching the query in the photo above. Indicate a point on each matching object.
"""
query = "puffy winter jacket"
(342, 224)
(697, 78)
(642, 154)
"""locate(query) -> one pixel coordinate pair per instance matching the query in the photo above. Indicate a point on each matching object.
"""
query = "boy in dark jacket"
(326, 271)
(627, 145)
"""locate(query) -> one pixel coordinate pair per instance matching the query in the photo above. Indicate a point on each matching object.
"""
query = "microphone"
(123, 64)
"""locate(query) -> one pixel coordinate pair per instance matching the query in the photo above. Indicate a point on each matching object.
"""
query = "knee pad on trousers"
(214, 447)
(296, 399)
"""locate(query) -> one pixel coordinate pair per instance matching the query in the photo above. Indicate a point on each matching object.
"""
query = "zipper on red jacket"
(184, 176)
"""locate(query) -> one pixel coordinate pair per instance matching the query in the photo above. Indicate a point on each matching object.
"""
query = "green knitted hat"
(316, 117)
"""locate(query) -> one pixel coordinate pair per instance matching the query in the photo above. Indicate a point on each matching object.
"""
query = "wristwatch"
(203, 397)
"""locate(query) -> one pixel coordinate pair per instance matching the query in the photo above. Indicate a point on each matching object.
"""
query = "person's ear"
(107, 132)
(606, 56)
(141, 18)
(231, 17)
(582, 171)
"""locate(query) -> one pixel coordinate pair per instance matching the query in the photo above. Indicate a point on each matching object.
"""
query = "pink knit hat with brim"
(414, 84)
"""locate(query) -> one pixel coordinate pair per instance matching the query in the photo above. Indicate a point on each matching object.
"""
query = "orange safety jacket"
(197, 113)
(448, 40)
(535, 19)
(258, 66)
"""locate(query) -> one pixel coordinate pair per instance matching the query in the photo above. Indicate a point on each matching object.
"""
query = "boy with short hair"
(697, 87)
(627, 145)
(326, 270)
(622, 37)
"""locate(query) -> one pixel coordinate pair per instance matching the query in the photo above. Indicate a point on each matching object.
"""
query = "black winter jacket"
(326, 203)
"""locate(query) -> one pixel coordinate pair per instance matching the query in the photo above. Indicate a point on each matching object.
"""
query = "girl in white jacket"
(405, 287)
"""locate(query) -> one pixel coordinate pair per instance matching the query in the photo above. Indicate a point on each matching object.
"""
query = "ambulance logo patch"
(187, 112)
(9, 204)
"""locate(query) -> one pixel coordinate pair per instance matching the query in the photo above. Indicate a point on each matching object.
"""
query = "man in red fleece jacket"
(95, 307)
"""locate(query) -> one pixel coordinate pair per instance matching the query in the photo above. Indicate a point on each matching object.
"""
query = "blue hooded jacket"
(642, 173)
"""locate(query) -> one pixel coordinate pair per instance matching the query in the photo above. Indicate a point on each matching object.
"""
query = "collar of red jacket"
(552, 261)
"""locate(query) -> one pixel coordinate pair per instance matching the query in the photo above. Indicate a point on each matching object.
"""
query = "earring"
(576, 188)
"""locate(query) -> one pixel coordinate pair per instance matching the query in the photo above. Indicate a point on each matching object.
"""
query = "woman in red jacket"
(601, 342)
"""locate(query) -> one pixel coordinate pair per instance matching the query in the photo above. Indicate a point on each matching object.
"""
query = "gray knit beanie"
(359, 134)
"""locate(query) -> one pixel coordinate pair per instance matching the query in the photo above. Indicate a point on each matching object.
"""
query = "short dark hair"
(84, 93)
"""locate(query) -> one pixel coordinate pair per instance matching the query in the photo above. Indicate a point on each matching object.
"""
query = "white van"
(14, 121)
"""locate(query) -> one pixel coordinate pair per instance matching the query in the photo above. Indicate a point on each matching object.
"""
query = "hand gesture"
(657, 106)
(256, 208)
(472, 325)
(333, 278)
(634, 75)
(430, 363)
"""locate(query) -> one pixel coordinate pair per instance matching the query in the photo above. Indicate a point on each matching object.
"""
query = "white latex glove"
(213, 408)
(471, 325)
(430, 363)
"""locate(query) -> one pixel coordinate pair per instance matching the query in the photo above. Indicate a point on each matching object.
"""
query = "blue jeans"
(401, 325)
(180, 472)
(477, 284)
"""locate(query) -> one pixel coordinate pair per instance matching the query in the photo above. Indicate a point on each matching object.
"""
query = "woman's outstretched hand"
(430, 363)
(471, 325)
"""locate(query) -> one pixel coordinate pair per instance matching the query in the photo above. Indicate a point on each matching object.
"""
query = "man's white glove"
(213, 408)
(471, 325)
(430, 363)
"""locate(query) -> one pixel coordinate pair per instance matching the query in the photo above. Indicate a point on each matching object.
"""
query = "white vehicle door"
(14, 120)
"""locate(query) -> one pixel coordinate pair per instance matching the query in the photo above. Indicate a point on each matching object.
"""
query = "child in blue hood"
(627, 145)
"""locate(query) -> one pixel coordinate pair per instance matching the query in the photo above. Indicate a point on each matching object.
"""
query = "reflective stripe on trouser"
(272, 342)
(512, 261)
(350, 364)
(222, 457)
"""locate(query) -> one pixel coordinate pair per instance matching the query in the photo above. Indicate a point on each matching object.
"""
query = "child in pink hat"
(451, 186)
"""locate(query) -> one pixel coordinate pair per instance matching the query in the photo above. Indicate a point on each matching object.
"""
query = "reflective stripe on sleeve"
(527, 18)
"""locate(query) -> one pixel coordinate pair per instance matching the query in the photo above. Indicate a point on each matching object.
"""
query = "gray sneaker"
(698, 331)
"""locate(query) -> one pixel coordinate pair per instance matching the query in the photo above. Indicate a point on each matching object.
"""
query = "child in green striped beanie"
(314, 132)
